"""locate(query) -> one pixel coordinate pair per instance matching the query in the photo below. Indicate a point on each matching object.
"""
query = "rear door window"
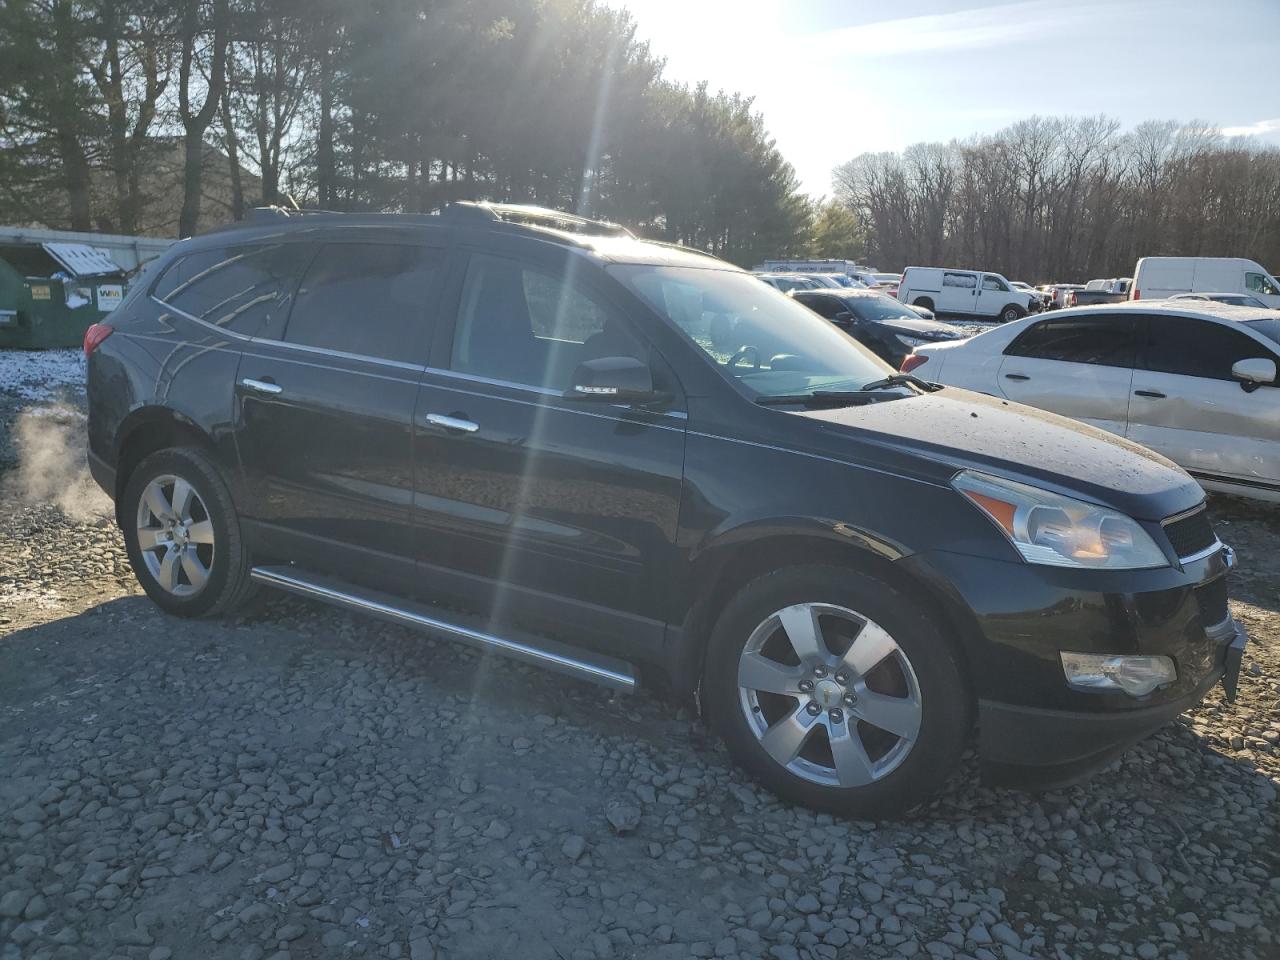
(828, 307)
(368, 299)
(1108, 341)
(245, 289)
(1196, 348)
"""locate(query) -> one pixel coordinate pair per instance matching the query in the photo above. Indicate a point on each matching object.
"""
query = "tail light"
(94, 336)
(1137, 294)
(1071, 299)
(913, 360)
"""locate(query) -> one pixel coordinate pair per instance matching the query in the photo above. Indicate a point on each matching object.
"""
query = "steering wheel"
(743, 353)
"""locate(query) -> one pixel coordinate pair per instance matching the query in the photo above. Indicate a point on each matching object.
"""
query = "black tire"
(943, 697)
(924, 302)
(227, 585)
(1011, 313)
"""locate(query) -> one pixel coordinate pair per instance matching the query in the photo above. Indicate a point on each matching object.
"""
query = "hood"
(957, 429)
(920, 327)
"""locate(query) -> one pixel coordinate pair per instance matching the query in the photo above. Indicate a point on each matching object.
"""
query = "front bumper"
(1029, 746)
(1014, 619)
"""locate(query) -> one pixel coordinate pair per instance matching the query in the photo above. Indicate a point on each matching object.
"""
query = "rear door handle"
(1016, 376)
(1153, 394)
(452, 423)
(266, 387)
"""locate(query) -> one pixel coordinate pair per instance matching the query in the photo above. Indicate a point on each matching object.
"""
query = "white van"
(1159, 277)
(974, 293)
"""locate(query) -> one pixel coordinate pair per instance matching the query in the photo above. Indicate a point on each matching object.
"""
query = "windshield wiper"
(901, 380)
(833, 397)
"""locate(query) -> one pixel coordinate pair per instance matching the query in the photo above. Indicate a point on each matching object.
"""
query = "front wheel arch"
(947, 703)
(718, 577)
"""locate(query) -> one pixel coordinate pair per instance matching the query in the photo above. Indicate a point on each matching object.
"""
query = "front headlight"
(1060, 531)
(910, 341)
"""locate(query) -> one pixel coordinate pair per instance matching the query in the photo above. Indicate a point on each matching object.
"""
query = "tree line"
(377, 104)
(1067, 199)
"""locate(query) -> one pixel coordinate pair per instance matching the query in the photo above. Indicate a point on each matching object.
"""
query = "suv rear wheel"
(924, 302)
(835, 691)
(182, 534)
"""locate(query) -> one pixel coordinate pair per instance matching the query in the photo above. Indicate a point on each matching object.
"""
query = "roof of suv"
(607, 241)
(1186, 308)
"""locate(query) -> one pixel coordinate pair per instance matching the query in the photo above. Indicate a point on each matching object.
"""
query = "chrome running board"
(606, 671)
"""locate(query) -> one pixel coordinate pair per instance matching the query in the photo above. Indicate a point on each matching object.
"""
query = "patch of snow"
(41, 375)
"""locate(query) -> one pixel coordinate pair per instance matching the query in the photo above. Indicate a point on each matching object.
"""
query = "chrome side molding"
(606, 671)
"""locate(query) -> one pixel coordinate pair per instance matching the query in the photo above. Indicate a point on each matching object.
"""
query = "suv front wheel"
(835, 691)
(182, 534)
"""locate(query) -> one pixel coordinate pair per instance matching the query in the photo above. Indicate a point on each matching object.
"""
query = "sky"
(836, 78)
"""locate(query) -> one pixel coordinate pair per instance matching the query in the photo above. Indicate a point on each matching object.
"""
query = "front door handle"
(265, 387)
(1016, 376)
(452, 423)
(1153, 394)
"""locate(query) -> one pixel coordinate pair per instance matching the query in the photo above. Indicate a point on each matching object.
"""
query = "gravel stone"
(300, 781)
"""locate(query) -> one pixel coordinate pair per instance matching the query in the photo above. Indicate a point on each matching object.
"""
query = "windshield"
(879, 308)
(754, 336)
(1268, 328)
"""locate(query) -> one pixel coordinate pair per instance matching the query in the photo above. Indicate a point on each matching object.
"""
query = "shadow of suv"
(621, 459)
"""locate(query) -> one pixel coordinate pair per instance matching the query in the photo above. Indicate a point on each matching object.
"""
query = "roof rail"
(259, 214)
(531, 216)
(682, 248)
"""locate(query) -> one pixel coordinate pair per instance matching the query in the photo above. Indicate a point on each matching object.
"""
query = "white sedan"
(1193, 380)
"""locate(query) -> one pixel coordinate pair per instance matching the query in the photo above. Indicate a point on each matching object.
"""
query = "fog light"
(1136, 676)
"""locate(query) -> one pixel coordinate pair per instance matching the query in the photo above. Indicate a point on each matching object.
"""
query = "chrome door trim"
(452, 423)
(261, 386)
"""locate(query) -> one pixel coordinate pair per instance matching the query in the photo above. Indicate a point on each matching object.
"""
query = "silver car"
(1191, 379)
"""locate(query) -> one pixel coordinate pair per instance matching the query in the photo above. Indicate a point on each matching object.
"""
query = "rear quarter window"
(245, 289)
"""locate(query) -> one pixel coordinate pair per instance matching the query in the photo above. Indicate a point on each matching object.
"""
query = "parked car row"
(540, 436)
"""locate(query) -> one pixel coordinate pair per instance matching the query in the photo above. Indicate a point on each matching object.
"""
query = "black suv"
(625, 460)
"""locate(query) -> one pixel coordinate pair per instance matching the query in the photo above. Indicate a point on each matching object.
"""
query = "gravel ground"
(305, 783)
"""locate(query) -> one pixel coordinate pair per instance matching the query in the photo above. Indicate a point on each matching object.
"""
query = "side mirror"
(612, 380)
(844, 315)
(1253, 372)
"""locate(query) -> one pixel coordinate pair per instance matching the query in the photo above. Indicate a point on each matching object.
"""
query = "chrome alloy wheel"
(829, 695)
(175, 535)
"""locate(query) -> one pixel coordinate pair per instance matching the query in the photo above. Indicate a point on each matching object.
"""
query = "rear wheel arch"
(925, 302)
(149, 430)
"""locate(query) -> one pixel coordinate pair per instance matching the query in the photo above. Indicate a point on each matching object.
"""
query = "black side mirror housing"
(612, 380)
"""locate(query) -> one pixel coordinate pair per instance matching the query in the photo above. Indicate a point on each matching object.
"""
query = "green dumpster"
(51, 292)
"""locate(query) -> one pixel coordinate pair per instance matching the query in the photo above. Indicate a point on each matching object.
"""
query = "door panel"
(554, 509)
(959, 293)
(992, 296)
(1083, 391)
(325, 417)
(327, 461)
(1080, 367)
(551, 513)
(1187, 406)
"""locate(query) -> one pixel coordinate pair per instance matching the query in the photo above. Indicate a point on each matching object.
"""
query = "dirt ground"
(304, 783)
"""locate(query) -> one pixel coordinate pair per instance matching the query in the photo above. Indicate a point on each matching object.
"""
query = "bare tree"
(203, 34)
